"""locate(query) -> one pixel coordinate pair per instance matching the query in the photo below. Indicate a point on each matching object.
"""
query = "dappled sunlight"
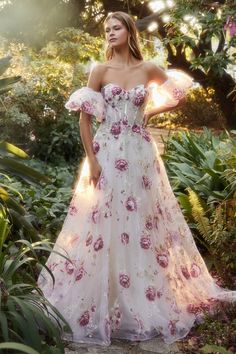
(83, 181)
(162, 94)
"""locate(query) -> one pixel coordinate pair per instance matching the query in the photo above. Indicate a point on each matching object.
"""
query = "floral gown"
(134, 271)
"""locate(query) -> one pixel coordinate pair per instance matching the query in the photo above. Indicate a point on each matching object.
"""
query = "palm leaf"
(23, 171)
(6, 147)
(4, 83)
(18, 346)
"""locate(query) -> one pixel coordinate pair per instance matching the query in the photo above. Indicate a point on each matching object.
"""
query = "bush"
(201, 168)
(35, 108)
(45, 207)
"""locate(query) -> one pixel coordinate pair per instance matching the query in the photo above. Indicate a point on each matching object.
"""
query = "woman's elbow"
(182, 101)
(84, 119)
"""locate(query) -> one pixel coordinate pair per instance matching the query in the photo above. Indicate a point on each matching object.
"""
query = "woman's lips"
(112, 39)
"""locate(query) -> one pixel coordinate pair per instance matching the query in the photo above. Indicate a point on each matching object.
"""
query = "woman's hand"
(94, 171)
(146, 118)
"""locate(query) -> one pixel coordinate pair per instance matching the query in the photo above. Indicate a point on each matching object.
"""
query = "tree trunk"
(223, 86)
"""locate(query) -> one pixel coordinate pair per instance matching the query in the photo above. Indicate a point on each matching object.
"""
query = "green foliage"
(200, 110)
(10, 198)
(197, 29)
(215, 334)
(199, 161)
(25, 316)
(216, 348)
(201, 168)
(25, 313)
(19, 347)
(73, 45)
(47, 207)
(37, 102)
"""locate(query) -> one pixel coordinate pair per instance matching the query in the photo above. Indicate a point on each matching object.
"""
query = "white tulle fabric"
(134, 271)
(87, 100)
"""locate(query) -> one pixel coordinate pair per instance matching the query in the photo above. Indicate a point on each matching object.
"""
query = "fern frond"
(198, 213)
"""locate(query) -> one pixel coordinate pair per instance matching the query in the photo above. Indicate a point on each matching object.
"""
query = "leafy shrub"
(45, 207)
(24, 310)
(201, 168)
(37, 102)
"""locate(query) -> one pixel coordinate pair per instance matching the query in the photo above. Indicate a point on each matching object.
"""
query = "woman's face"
(116, 32)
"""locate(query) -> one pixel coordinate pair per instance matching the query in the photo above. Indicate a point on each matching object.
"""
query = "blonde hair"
(133, 40)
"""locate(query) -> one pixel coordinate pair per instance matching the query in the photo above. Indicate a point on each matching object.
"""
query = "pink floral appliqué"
(138, 99)
(146, 183)
(84, 319)
(145, 242)
(195, 271)
(185, 272)
(131, 204)
(115, 129)
(162, 259)
(69, 267)
(146, 135)
(136, 129)
(73, 210)
(79, 273)
(172, 328)
(96, 147)
(98, 245)
(116, 90)
(95, 215)
(149, 224)
(121, 164)
(124, 280)
(102, 182)
(124, 238)
(150, 293)
(89, 239)
(87, 107)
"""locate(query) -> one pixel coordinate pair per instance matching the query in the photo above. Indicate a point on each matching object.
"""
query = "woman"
(134, 271)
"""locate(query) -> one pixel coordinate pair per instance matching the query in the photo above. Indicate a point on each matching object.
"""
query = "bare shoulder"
(155, 73)
(99, 68)
(96, 75)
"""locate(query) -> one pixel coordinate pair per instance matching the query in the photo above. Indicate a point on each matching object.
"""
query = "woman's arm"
(157, 75)
(161, 109)
(85, 124)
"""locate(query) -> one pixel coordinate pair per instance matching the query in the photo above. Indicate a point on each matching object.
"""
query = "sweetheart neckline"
(116, 85)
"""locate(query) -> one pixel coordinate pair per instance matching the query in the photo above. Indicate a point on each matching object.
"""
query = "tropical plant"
(200, 161)
(201, 168)
(28, 322)
(26, 316)
(8, 201)
(46, 207)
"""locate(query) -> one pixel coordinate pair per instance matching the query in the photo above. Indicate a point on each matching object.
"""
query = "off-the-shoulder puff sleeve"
(87, 100)
(173, 89)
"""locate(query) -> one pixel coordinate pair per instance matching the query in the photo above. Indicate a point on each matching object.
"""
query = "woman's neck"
(123, 58)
